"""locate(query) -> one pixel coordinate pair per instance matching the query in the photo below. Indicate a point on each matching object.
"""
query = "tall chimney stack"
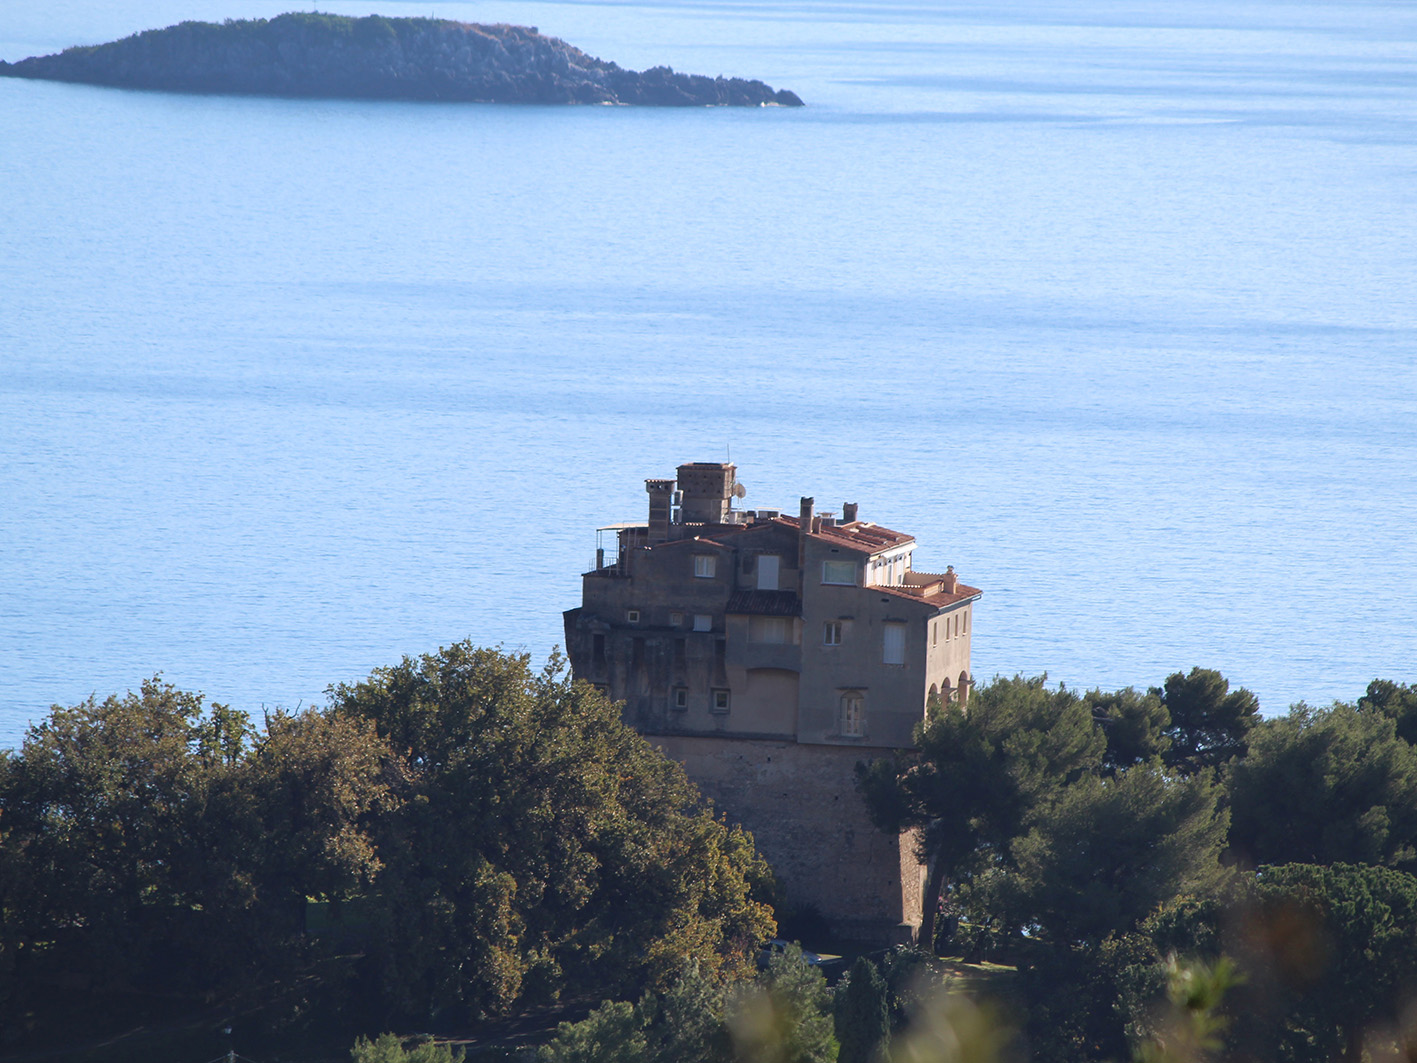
(804, 525)
(661, 497)
(848, 512)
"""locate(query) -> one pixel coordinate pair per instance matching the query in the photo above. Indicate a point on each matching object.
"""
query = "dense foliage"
(1087, 839)
(453, 837)
(1160, 876)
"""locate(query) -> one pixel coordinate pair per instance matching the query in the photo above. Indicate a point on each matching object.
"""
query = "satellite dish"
(739, 490)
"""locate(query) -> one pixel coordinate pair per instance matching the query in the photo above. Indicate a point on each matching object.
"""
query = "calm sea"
(1113, 304)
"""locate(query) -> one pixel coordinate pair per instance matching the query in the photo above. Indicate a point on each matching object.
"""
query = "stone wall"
(800, 803)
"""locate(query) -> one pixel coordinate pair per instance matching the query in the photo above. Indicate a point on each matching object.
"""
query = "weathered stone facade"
(800, 803)
(770, 655)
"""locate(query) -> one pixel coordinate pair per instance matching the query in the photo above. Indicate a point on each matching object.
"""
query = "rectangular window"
(839, 572)
(632, 616)
(703, 622)
(681, 698)
(705, 565)
(720, 701)
(773, 629)
(767, 572)
(831, 633)
(893, 643)
(934, 632)
(853, 714)
(676, 619)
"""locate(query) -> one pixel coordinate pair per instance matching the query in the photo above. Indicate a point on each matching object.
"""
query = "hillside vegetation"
(310, 54)
(1161, 876)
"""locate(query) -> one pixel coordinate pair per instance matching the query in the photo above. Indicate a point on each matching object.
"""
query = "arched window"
(853, 714)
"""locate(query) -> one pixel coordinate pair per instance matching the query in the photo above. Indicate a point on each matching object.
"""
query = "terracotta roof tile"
(859, 535)
(938, 600)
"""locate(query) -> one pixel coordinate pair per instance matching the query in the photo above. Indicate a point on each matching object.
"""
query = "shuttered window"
(893, 644)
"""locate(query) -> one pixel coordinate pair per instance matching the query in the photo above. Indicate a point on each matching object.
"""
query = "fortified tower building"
(769, 654)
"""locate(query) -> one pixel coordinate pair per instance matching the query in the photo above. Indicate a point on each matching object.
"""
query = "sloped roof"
(858, 535)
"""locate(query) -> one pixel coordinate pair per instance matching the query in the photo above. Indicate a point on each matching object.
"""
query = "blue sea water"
(1112, 304)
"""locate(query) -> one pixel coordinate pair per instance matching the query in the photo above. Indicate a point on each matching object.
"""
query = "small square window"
(720, 701)
(676, 619)
(703, 622)
(705, 566)
(681, 698)
(632, 616)
(831, 633)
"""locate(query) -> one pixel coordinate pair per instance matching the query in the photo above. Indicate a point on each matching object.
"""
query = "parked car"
(777, 946)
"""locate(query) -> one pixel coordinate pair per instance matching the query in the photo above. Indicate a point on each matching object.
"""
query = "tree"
(780, 1015)
(862, 1014)
(1326, 785)
(542, 842)
(157, 851)
(1209, 723)
(387, 1048)
(784, 1015)
(1330, 954)
(977, 777)
(102, 809)
(1106, 853)
(1397, 701)
(1135, 725)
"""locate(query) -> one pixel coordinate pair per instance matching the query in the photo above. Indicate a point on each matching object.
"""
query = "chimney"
(661, 495)
(951, 581)
(804, 525)
(848, 512)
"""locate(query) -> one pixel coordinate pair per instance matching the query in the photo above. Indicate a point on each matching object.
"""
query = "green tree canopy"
(977, 776)
(1209, 723)
(542, 841)
(155, 851)
(1106, 853)
(1135, 725)
(1326, 785)
(1330, 954)
(781, 1014)
(1397, 701)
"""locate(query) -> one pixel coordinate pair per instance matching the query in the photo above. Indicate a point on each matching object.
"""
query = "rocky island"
(334, 56)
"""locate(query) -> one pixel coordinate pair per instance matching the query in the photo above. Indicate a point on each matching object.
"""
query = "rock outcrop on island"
(308, 54)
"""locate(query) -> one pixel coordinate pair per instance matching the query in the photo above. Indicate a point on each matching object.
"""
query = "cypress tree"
(862, 1014)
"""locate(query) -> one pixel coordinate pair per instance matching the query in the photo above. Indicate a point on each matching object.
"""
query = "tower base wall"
(808, 821)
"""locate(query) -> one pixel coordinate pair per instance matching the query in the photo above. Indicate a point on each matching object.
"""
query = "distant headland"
(334, 56)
